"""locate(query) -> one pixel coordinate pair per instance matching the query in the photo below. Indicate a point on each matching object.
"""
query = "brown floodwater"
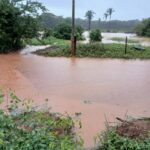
(94, 87)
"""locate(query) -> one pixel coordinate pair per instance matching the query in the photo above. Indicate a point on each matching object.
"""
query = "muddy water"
(95, 87)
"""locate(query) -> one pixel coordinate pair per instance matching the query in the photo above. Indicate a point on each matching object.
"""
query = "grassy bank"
(97, 50)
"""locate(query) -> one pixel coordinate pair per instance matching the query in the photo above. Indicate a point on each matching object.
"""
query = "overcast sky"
(124, 9)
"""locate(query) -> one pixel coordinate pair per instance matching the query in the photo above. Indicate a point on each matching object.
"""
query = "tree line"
(49, 20)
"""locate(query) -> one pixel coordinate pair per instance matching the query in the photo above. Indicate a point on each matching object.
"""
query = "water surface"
(112, 87)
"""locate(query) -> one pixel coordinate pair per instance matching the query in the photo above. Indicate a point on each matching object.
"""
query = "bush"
(143, 29)
(95, 35)
(63, 31)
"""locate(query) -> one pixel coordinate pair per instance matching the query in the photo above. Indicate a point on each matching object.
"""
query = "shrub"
(112, 141)
(95, 35)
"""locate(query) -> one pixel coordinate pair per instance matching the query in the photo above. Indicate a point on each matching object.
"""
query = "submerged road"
(94, 87)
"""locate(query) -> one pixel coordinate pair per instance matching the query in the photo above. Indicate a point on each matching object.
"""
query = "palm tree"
(110, 11)
(99, 22)
(106, 16)
(89, 15)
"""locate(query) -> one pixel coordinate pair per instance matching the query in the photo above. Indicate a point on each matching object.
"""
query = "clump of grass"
(119, 39)
(98, 50)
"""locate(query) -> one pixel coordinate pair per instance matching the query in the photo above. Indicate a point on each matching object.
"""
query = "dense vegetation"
(95, 35)
(49, 20)
(18, 20)
(28, 129)
(98, 50)
(143, 29)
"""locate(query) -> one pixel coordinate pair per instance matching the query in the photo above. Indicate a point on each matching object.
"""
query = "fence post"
(126, 45)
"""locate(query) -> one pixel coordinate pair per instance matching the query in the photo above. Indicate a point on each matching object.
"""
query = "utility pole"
(73, 37)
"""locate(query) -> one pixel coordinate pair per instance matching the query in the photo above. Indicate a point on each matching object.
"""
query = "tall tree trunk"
(89, 25)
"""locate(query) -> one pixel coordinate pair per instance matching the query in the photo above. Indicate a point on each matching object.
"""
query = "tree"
(18, 20)
(106, 16)
(89, 15)
(143, 28)
(110, 11)
(63, 31)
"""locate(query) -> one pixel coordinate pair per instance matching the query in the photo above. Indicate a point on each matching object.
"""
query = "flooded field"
(108, 38)
(94, 87)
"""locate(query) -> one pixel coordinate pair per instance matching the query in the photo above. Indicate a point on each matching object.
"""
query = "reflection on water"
(112, 86)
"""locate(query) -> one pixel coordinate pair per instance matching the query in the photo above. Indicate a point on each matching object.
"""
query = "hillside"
(49, 20)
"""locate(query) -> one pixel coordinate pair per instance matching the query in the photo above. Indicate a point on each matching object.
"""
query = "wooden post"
(73, 37)
(126, 45)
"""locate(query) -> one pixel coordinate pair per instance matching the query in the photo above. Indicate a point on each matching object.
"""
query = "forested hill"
(50, 20)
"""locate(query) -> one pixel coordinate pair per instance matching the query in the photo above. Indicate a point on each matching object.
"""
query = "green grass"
(46, 41)
(119, 39)
(97, 50)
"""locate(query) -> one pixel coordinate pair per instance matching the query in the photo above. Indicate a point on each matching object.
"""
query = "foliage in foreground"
(32, 130)
(99, 51)
(112, 141)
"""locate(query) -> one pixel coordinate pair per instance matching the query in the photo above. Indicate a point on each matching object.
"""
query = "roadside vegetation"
(24, 128)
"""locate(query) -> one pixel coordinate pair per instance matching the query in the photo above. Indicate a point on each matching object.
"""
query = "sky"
(124, 9)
